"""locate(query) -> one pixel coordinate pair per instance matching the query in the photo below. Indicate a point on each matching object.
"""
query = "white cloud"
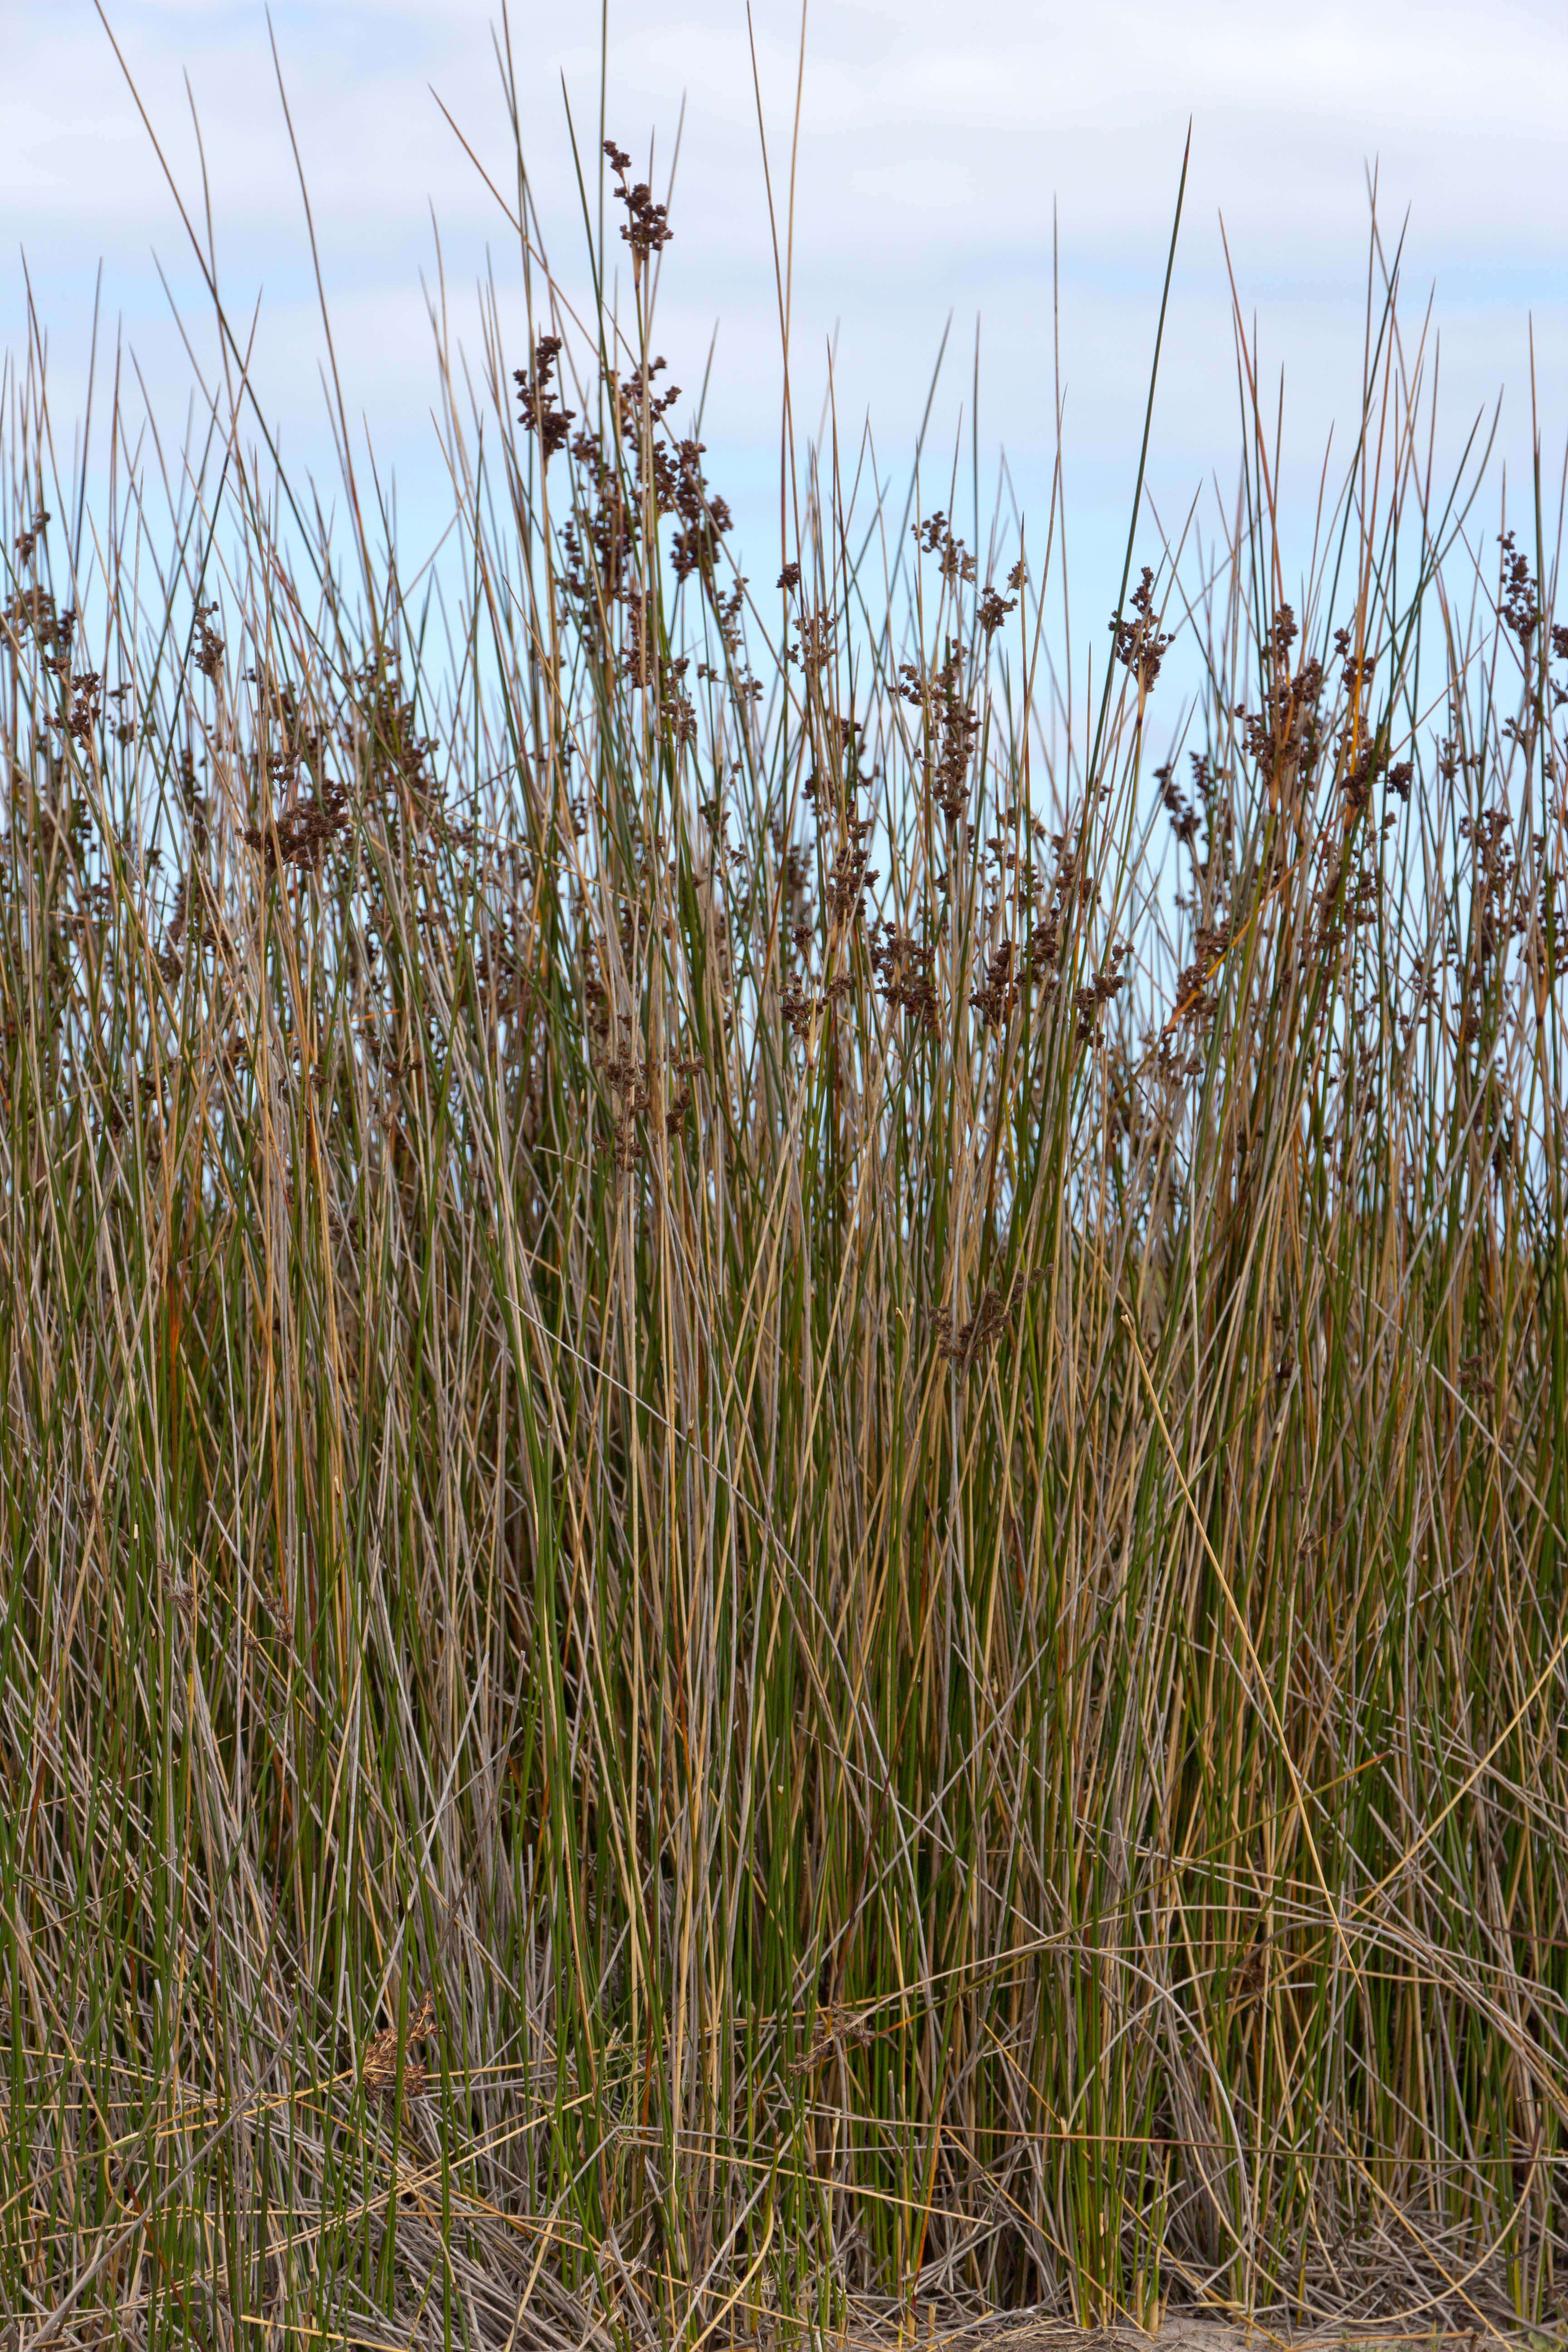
(921, 183)
(933, 146)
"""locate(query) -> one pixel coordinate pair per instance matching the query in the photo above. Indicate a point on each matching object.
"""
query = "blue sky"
(936, 138)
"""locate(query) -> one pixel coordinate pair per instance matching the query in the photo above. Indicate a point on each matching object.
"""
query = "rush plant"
(782, 1437)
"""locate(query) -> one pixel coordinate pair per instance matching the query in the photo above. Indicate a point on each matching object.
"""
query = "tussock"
(839, 1398)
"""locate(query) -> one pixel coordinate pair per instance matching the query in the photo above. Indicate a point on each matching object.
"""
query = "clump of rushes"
(783, 1474)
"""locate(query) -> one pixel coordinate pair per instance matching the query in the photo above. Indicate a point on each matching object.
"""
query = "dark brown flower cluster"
(381, 748)
(996, 998)
(813, 649)
(1363, 758)
(1090, 999)
(624, 485)
(541, 411)
(1070, 888)
(839, 776)
(681, 1101)
(959, 724)
(209, 648)
(80, 718)
(1347, 894)
(852, 874)
(28, 540)
(626, 1081)
(1141, 646)
(32, 612)
(903, 964)
(680, 489)
(1517, 599)
(638, 651)
(1282, 740)
(993, 607)
(1182, 814)
(1501, 898)
(957, 567)
(973, 1339)
(801, 1006)
(955, 562)
(1194, 1000)
(647, 226)
(299, 836)
(394, 757)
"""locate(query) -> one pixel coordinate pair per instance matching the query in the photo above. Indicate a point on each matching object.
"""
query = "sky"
(940, 140)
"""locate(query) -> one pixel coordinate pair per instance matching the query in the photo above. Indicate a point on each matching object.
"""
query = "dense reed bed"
(783, 1439)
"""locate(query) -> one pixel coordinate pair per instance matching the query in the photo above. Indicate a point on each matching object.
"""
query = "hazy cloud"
(934, 144)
